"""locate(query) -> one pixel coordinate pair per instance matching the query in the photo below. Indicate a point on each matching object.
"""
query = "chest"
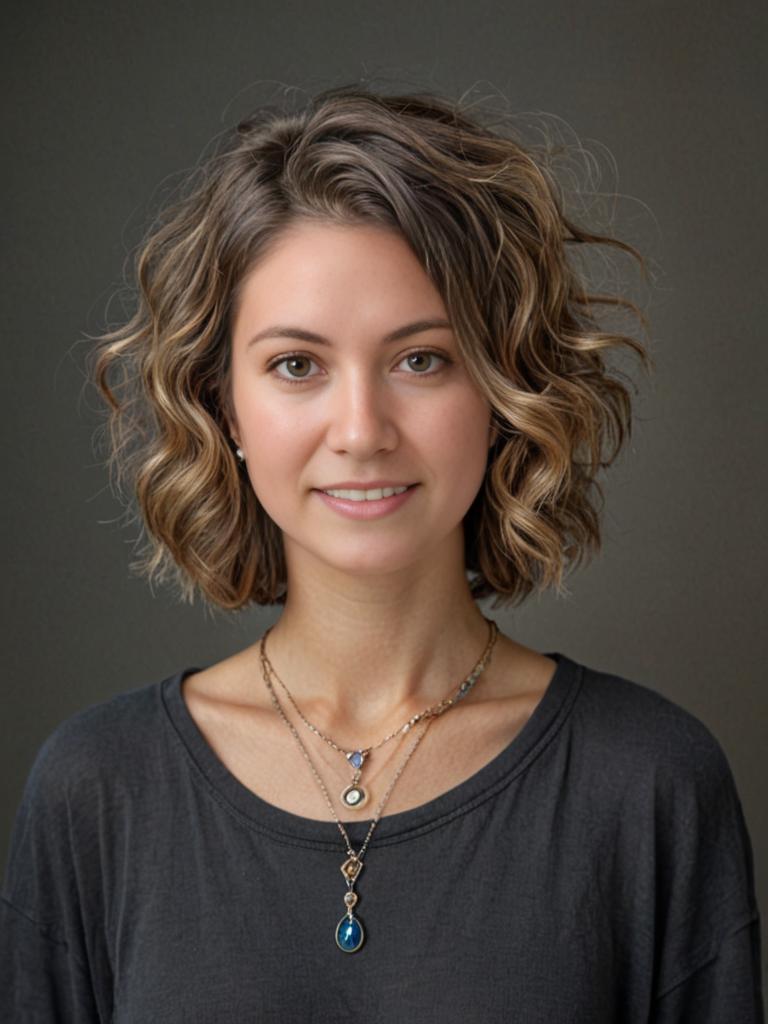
(260, 751)
(457, 935)
(513, 908)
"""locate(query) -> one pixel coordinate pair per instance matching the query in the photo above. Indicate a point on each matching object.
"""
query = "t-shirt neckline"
(263, 816)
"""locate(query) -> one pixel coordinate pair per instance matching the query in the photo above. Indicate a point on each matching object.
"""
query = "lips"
(368, 508)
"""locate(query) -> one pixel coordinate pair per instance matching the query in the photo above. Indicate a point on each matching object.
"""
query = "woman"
(364, 382)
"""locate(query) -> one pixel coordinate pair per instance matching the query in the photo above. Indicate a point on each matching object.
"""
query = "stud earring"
(239, 453)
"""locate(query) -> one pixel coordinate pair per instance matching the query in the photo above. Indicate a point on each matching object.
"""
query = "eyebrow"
(281, 331)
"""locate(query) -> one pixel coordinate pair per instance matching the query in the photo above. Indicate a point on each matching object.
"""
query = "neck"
(361, 654)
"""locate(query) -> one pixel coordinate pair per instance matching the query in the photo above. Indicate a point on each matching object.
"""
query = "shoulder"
(96, 744)
(85, 778)
(630, 727)
(670, 806)
(666, 784)
(636, 713)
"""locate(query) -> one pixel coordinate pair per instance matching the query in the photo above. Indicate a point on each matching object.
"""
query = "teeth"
(381, 492)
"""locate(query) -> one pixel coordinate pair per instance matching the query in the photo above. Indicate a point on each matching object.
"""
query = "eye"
(294, 358)
(427, 353)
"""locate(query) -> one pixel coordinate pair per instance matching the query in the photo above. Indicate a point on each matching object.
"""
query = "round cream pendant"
(354, 796)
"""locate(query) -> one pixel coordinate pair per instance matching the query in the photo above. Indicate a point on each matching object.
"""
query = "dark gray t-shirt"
(597, 870)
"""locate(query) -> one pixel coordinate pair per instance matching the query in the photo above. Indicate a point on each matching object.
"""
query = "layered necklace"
(349, 933)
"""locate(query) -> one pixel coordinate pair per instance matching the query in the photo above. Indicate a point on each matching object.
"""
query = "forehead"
(342, 268)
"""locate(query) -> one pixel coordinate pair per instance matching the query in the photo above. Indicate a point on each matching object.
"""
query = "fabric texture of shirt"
(598, 869)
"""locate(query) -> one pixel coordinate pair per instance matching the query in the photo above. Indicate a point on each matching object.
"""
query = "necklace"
(349, 933)
(354, 796)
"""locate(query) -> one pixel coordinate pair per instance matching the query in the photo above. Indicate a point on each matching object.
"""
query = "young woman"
(365, 383)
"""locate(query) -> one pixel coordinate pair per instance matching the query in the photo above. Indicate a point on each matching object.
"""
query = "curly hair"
(484, 215)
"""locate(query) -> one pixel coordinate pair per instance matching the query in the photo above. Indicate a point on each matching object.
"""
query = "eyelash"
(272, 366)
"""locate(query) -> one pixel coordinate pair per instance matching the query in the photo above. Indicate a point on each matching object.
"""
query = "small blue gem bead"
(349, 934)
(355, 758)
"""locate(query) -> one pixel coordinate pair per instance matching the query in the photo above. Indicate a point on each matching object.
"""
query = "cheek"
(267, 425)
(460, 433)
(458, 444)
(273, 441)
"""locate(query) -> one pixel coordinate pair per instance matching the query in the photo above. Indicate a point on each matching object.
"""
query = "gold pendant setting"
(351, 868)
(354, 796)
(349, 933)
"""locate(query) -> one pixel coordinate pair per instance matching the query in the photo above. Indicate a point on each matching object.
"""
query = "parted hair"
(485, 216)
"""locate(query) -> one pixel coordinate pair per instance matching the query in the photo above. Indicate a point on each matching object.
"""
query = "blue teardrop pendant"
(349, 934)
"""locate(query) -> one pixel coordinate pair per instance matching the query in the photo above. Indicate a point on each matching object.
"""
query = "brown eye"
(420, 362)
(293, 362)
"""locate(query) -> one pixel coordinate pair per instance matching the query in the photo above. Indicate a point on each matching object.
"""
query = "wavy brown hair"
(486, 218)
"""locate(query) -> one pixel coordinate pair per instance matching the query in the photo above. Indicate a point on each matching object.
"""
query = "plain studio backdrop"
(105, 103)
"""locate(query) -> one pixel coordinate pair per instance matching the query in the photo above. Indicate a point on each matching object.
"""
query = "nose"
(361, 416)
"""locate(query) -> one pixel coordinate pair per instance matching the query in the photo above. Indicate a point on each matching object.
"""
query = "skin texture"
(361, 410)
(379, 622)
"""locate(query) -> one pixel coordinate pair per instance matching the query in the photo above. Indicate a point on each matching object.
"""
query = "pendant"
(356, 758)
(349, 933)
(354, 795)
(351, 868)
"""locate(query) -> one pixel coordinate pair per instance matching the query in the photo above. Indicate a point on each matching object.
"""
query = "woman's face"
(357, 408)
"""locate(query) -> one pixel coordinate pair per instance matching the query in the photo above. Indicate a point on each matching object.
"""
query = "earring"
(239, 453)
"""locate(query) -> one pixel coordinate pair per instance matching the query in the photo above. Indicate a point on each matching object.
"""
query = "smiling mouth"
(371, 494)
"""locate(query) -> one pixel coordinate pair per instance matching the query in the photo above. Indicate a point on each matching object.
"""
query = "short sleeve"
(53, 964)
(709, 946)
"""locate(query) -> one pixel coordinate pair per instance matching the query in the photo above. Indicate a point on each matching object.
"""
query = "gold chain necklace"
(354, 796)
(349, 933)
